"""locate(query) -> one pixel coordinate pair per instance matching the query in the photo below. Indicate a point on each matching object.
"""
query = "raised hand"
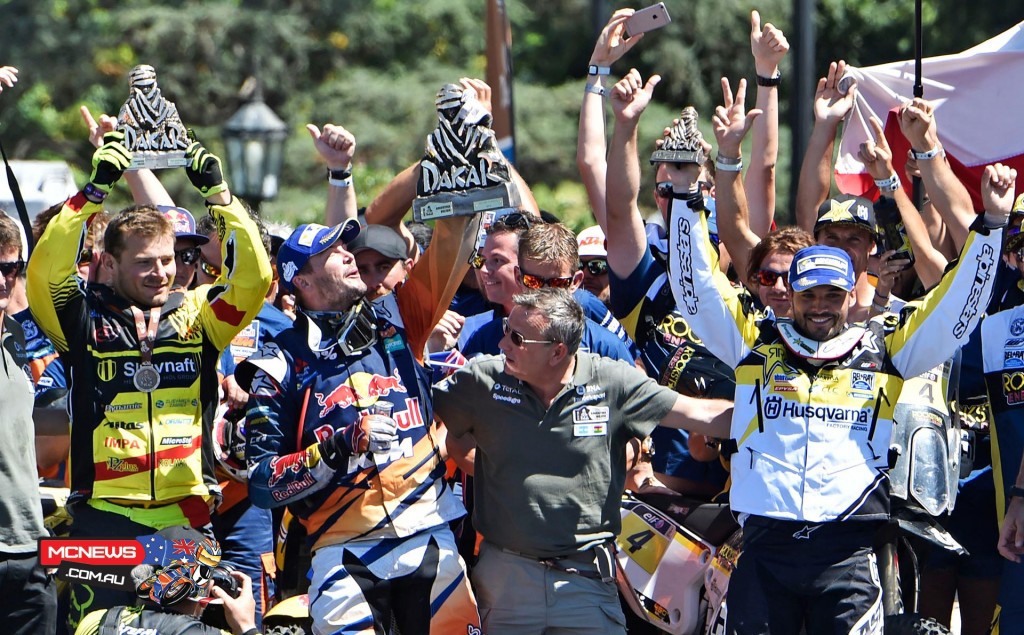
(97, 130)
(630, 96)
(997, 186)
(731, 121)
(612, 43)
(768, 45)
(830, 103)
(109, 162)
(204, 170)
(482, 90)
(917, 122)
(8, 77)
(335, 145)
(876, 155)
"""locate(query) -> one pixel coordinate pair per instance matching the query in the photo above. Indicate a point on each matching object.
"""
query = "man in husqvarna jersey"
(368, 487)
(140, 360)
(814, 405)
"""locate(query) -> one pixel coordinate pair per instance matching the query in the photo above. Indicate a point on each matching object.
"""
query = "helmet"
(229, 443)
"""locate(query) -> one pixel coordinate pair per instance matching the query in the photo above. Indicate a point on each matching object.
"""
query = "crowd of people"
(357, 385)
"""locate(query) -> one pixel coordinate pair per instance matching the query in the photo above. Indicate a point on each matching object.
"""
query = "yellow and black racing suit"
(147, 453)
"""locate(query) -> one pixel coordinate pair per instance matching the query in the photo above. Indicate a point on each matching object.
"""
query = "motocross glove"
(204, 170)
(372, 433)
(109, 162)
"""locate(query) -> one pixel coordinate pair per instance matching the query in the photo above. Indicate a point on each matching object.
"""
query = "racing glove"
(204, 171)
(109, 162)
(372, 433)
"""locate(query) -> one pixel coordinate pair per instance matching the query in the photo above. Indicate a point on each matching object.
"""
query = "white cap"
(592, 242)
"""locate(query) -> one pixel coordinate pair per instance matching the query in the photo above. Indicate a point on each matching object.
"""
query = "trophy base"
(158, 160)
(465, 203)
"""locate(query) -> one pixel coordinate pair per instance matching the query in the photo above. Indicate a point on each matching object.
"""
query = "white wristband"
(594, 89)
(728, 167)
(340, 182)
(890, 184)
(930, 154)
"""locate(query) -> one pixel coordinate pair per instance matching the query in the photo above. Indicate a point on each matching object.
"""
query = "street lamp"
(254, 138)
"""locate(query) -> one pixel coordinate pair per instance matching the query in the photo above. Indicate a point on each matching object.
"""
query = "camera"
(222, 577)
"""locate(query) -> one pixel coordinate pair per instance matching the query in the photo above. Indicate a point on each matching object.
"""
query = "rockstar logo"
(839, 212)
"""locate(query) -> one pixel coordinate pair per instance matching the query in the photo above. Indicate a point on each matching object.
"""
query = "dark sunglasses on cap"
(768, 277)
(517, 338)
(531, 281)
(208, 269)
(12, 268)
(596, 267)
(188, 256)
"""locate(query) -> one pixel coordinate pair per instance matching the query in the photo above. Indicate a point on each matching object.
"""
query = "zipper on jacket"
(152, 449)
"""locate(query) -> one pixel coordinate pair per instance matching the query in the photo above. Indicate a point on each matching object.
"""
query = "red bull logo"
(361, 390)
(280, 467)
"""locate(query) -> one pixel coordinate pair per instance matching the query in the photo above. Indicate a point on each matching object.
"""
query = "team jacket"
(127, 446)
(301, 397)
(813, 440)
(1002, 339)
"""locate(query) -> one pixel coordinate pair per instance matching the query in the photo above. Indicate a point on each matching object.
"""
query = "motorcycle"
(676, 554)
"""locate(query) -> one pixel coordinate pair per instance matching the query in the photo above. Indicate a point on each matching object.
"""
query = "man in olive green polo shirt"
(550, 425)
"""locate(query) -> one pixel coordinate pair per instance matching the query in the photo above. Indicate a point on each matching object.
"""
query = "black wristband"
(774, 80)
(252, 631)
(1015, 492)
(339, 175)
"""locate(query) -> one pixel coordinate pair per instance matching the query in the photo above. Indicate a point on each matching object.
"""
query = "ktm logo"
(107, 370)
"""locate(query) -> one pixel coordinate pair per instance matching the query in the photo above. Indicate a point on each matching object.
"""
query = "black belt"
(602, 556)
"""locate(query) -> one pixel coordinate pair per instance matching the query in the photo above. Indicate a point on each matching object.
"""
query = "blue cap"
(184, 223)
(307, 241)
(820, 265)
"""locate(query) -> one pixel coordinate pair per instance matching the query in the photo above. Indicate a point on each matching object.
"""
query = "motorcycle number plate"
(642, 543)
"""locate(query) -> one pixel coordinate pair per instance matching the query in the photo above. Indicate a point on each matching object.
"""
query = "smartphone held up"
(649, 19)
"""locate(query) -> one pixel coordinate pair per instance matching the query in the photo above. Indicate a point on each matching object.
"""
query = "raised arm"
(830, 108)
(768, 45)
(731, 123)
(336, 146)
(145, 186)
(947, 193)
(877, 158)
(929, 330)
(590, 144)
(709, 417)
(625, 231)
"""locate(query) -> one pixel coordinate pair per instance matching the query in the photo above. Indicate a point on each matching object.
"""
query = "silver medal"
(147, 377)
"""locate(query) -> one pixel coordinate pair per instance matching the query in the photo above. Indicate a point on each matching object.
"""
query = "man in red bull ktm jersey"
(377, 521)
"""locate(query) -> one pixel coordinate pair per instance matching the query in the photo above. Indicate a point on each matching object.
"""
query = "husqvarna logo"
(107, 370)
(773, 406)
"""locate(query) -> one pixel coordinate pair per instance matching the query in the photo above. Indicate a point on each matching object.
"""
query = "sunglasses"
(664, 188)
(477, 260)
(531, 281)
(208, 269)
(517, 337)
(85, 256)
(14, 268)
(596, 267)
(768, 277)
(516, 220)
(188, 256)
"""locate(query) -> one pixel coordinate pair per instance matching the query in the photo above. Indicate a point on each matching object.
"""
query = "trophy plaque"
(152, 128)
(462, 173)
(683, 143)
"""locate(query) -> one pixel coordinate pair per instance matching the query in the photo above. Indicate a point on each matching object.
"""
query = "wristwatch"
(594, 69)
(1015, 491)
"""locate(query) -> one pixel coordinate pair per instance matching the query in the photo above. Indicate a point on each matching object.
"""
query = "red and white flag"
(979, 100)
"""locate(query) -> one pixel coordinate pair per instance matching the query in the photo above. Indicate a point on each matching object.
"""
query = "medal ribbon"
(147, 334)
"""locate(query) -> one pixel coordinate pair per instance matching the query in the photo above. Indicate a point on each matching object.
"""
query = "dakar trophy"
(152, 128)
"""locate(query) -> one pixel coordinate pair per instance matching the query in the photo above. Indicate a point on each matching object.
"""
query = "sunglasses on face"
(188, 256)
(596, 267)
(14, 268)
(768, 277)
(531, 281)
(517, 337)
(208, 269)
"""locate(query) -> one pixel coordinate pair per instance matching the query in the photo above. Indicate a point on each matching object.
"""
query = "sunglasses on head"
(207, 268)
(596, 267)
(517, 220)
(517, 338)
(531, 281)
(187, 256)
(768, 277)
(13, 268)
